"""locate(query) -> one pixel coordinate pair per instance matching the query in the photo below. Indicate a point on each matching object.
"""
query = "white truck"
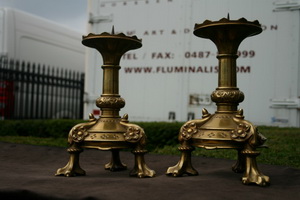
(173, 74)
(30, 38)
(52, 54)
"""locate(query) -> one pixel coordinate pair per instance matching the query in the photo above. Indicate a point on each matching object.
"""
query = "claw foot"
(258, 179)
(180, 169)
(252, 174)
(112, 166)
(184, 166)
(115, 164)
(141, 170)
(72, 168)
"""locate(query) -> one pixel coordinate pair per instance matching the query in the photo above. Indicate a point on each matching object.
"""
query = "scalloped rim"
(106, 34)
(228, 21)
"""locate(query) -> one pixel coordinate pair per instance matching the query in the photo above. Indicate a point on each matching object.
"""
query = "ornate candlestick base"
(110, 131)
(227, 127)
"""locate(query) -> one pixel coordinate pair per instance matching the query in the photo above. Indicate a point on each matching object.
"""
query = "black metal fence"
(34, 91)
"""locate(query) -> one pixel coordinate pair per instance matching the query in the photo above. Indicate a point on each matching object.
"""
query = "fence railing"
(34, 91)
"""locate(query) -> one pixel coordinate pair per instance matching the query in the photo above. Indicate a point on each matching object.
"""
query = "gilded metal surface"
(114, 102)
(110, 131)
(226, 128)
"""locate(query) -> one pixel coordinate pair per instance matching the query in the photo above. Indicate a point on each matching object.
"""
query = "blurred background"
(46, 73)
(69, 13)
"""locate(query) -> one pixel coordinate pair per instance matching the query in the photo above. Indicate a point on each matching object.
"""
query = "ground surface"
(27, 172)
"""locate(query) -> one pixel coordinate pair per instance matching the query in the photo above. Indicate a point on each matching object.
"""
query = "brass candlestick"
(227, 127)
(110, 131)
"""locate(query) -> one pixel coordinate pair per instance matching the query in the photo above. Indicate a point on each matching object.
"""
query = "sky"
(69, 13)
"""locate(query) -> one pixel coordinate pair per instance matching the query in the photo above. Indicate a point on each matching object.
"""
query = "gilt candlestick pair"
(226, 128)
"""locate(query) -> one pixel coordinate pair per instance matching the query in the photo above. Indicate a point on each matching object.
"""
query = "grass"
(59, 142)
(283, 147)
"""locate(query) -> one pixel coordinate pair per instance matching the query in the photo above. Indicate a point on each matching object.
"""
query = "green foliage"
(283, 143)
(283, 146)
(58, 142)
(160, 134)
(37, 128)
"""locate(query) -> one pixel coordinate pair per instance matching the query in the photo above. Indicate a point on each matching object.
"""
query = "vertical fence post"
(43, 82)
(81, 95)
(47, 96)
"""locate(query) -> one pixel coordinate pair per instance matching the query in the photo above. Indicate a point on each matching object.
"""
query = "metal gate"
(35, 91)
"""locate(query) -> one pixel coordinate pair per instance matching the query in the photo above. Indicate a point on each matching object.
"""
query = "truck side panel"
(175, 72)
